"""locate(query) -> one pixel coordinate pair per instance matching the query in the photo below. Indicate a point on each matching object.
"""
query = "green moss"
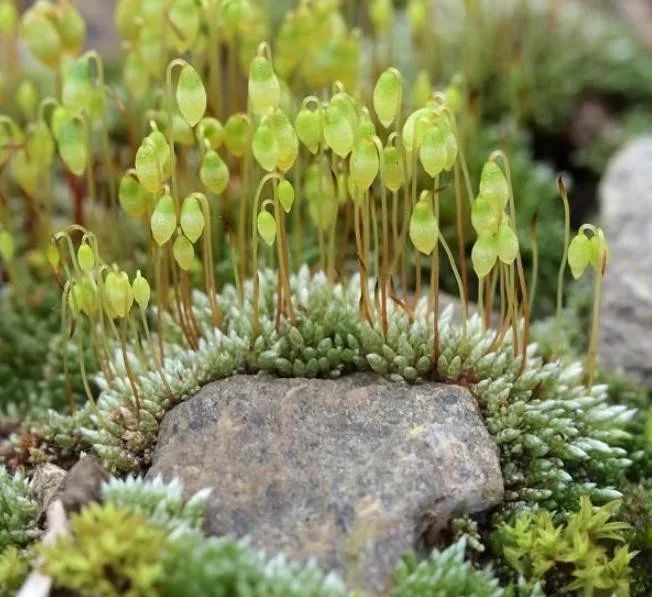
(585, 553)
(14, 567)
(443, 574)
(18, 510)
(111, 551)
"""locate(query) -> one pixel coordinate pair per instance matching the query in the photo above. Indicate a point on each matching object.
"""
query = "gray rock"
(626, 205)
(352, 471)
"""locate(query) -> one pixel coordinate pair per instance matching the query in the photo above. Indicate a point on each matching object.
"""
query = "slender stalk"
(535, 261)
(591, 354)
(564, 259)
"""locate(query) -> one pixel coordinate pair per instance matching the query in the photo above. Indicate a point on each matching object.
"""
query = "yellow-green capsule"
(152, 50)
(142, 291)
(82, 298)
(599, 250)
(184, 24)
(493, 186)
(7, 246)
(41, 36)
(381, 13)
(417, 12)
(450, 141)
(506, 243)
(135, 75)
(8, 17)
(308, 125)
(413, 129)
(210, 130)
(286, 139)
(71, 27)
(364, 163)
(265, 147)
(264, 88)
(424, 230)
(432, 151)
(25, 172)
(392, 168)
(192, 218)
(484, 218)
(72, 145)
(387, 97)
(27, 98)
(85, 257)
(126, 19)
(163, 221)
(191, 95)
(484, 255)
(579, 254)
(40, 145)
(285, 194)
(132, 196)
(266, 226)
(153, 161)
(214, 173)
(422, 89)
(236, 134)
(338, 132)
(77, 90)
(183, 251)
(118, 294)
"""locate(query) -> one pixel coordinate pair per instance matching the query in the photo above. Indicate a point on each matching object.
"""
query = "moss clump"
(18, 510)
(14, 567)
(111, 551)
(585, 553)
(443, 574)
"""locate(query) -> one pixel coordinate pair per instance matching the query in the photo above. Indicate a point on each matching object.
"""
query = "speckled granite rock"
(626, 206)
(351, 471)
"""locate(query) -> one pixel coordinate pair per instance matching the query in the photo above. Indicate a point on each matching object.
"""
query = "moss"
(586, 552)
(18, 510)
(443, 574)
(14, 567)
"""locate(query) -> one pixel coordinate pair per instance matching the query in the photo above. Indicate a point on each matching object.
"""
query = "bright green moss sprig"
(587, 553)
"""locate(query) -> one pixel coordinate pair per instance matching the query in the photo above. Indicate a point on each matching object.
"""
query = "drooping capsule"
(163, 221)
(484, 255)
(41, 36)
(266, 226)
(308, 125)
(214, 173)
(432, 151)
(392, 168)
(286, 139)
(265, 147)
(77, 90)
(191, 218)
(71, 27)
(364, 163)
(183, 251)
(264, 88)
(493, 186)
(424, 230)
(118, 294)
(142, 291)
(184, 19)
(85, 257)
(236, 134)
(338, 132)
(72, 145)
(210, 130)
(191, 95)
(285, 194)
(506, 243)
(387, 97)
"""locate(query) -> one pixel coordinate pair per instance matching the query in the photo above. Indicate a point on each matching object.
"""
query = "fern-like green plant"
(580, 554)
(14, 567)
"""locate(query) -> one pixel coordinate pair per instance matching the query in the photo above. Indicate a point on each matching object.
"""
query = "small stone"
(47, 482)
(83, 483)
(353, 471)
(626, 210)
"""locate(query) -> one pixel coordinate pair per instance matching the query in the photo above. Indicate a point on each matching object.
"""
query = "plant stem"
(591, 354)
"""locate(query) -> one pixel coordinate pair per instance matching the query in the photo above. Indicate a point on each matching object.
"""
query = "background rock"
(626, 206)
(351, 471)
